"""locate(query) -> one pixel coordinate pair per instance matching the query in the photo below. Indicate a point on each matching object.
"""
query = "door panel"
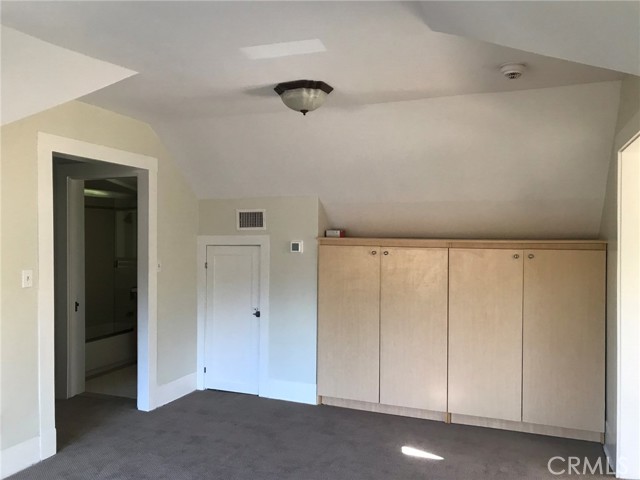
(564, 323)
(413, 328)
(349, 322)
(231, 329)
(485, 333)
(76, 287)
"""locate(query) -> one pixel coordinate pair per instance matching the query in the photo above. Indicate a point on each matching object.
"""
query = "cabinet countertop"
(467, 243)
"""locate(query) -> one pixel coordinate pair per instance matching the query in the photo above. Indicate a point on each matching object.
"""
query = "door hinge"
(206, 265)
(205, 369)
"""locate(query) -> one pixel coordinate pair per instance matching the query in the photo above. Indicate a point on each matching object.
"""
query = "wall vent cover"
(251, 219)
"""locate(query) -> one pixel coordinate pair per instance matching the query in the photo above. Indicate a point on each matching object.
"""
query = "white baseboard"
(19, 457)
(171, 391)
(611, 458)
(291, 391)
(48, 444)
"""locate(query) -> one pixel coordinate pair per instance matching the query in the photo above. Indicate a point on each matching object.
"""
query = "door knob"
(373, 252)
(516, 256)
(256, 313)
(531, 255)
(76, 306)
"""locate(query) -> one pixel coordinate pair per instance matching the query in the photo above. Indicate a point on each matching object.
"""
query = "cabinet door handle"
(374, 252)
(531, 255)
(516, 256)
(386, 253)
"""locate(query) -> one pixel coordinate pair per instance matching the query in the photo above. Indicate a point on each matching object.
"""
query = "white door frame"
(628, 339)
(48, 145)
(261, 241)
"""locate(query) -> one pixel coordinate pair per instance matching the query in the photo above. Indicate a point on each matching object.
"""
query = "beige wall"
(177, 226)
(628, 125)
(293, 277)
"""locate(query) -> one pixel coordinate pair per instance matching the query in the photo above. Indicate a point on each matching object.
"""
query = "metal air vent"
(251, 220)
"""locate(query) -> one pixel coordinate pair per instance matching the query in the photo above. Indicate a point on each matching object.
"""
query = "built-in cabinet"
(383, 334)
(349, 334)
(564, 330)
(485, 333)
(507, 331)
(413, 327)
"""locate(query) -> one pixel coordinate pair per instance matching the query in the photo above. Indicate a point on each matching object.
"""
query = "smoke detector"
(512, 71)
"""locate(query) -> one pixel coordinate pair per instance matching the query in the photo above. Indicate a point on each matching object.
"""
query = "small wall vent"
(251, 220)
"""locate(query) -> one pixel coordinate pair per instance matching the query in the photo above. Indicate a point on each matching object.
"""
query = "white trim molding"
(19, 457)
(235, 240)
(147, 342)
(291, 391)
(176, 389)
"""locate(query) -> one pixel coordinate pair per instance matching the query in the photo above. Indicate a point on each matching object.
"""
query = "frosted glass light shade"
(303, 99)
(303, 95)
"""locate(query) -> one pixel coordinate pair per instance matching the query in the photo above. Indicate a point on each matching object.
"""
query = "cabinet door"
(485, 333)
(413, 328)
(564, 328)
(349, 322)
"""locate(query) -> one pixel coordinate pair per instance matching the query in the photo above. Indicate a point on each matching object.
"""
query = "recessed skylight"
(284, 49)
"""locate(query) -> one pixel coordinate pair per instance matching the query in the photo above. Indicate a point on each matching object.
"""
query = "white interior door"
(75, 291)
(232, 319)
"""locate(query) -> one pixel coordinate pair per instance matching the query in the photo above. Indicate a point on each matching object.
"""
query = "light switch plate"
(27, 278)
(296, 246)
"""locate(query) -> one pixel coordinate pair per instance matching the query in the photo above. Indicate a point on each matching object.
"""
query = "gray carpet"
(217, 435)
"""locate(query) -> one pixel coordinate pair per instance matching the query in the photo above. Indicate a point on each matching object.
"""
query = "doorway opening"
(96, 269)
(111, 294)
(99, 162)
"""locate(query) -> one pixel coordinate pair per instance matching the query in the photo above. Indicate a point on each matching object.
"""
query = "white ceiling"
(422, 135)
(37, 75)
(601, 33)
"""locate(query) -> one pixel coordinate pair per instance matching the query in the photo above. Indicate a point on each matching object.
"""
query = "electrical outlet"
(27, 278)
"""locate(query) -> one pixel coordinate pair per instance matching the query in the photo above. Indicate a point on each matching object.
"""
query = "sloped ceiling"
(518, 164)
(599, 33)
(421, 137)
(37, 75)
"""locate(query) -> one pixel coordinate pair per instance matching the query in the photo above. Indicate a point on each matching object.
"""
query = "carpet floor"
(218, 435)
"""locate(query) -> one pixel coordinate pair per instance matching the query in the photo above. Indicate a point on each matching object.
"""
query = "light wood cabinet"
(413, 328)
(564, 339)
(382, 329)
(485, 333)
(349, 322)
(502, 333)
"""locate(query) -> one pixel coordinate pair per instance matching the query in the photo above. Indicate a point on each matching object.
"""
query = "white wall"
(628, 125)
(177, 226)
(293, 283)
(628, 450)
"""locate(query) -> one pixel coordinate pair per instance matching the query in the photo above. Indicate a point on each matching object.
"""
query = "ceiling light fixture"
(303, 95)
